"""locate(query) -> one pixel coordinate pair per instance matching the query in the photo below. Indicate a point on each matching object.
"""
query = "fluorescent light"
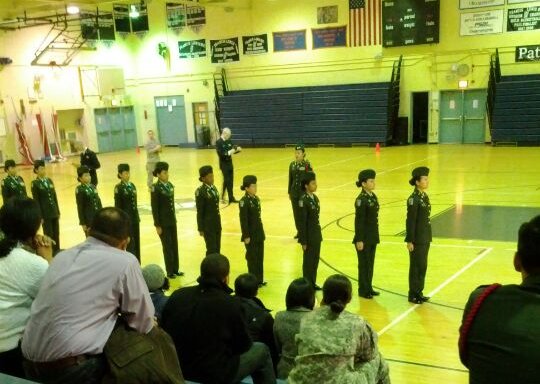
(462, 84)
(134, 12)
(72, 10)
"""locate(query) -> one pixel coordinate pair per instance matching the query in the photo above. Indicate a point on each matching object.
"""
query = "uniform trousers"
(418, 260)
(93, 177)
(228, 181)
(150, 166)
(169, 242)
(255, 259)
(212, 240)
(51, 228)
(366, 260)
(134, 245)
(296, 210)
(310, 261)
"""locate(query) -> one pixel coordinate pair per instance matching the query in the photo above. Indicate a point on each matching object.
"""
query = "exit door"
(171, 120)
(462, 117)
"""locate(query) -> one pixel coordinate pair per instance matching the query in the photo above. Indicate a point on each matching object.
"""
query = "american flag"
(365, 22)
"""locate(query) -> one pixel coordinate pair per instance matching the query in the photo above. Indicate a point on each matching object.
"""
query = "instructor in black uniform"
(309, 229)
(89, 159)
(125, 198)
(366, 232)
(164, 213)
(418, 234)
(225, 149)
(252, 228)
(44, 194)
(208, 217)
(297, 169)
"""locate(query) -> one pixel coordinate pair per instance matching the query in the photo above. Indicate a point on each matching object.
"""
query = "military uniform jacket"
(90, 160)
(222, 148)
(13, 186)
(366, 221)
(296, 171)
(44, 193)
(162, 198)
(418, 226)
(309, 228)
(125, 198)
(88, 203)
(207, 201)
(250, 219)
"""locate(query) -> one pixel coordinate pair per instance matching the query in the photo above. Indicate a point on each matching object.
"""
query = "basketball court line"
(401, 317)
(426, 365)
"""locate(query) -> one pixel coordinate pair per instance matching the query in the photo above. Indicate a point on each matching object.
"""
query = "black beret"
(365, 175)
(205, 170)
(37, 164)
(247, 181)
(417, 173)
(308, 177)
(160, 166)
(82, 170)
(123, 167)
(9, 164)
(299, 147)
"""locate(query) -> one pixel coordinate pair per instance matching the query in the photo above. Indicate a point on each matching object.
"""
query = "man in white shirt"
(77, 307)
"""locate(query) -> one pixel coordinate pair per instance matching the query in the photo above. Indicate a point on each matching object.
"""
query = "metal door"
(103, 129)
(117, 129)
(451, 126)
(171, 120)
(130, 128)
(474, 116)
(462, 116)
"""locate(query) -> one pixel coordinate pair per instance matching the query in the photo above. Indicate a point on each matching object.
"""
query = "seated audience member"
(336, 346)
(300, 300)
(83, 292)
(208, 328)
(157, 284)
(24, 257)
(500, 333)
(259, 321)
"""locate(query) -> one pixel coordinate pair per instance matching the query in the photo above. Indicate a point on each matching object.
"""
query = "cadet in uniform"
(366, 232)
(309, 229)
(88, 201)
(252, 228)
(12, 185)
(208, 217)
(89, 159)
(44, 194)
(225, 149)
(418, 234)
(297, 170)
(125, 198)
(164, 214)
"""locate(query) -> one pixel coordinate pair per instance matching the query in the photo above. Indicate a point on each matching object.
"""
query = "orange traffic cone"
(377, 148)
(138, 150)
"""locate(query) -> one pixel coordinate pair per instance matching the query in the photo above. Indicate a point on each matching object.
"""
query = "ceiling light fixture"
(133, 11)
(72, 10)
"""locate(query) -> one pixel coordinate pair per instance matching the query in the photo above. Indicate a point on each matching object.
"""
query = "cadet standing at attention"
(366, 232)
(225, 149)
(309, 229)
(88, 201)
(208, 217)
(44, 194)
(125, 198)
(252, 228)
(12, 185)
(297, 170)
(164, 213)
(418, 234)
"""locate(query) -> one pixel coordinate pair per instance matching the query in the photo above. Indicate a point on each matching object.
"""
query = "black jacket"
(222, 148)
(418, 224)
(162, 200)
(90, 160)
(207, 202)
(250, 219)
(309, 228)
(209, 331)
(125, 198)
(13, 186)
(44, 193)
(366, 220)
(88, 203)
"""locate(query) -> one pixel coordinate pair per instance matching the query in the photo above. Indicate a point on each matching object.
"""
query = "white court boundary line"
(398, 319)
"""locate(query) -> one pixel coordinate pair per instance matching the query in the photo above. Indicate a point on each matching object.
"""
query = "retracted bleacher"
(337, 114)
(516, 110)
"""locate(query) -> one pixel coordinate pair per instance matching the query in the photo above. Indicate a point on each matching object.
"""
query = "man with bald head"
(225, 149)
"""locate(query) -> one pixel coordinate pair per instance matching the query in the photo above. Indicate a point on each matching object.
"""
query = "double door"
(463, 117)
(115, 128)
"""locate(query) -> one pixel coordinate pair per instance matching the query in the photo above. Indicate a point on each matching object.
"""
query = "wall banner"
(481, 23)
(289, 40)
(224, 50)
(255, 45)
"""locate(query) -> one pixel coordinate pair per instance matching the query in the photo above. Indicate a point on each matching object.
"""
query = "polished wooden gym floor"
(419, 341)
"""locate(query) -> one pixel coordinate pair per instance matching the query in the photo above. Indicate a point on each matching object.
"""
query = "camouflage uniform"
(337, 349)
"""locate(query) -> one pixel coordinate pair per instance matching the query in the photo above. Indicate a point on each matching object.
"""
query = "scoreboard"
(410, 22)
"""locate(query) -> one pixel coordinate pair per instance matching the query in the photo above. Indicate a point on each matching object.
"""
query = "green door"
(171, 120)
(451, 127)
(474, 116)
(130, 132)
(103, 129)
(117, 129)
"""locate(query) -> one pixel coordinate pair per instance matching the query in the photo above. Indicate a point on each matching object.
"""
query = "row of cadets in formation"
(305, 205)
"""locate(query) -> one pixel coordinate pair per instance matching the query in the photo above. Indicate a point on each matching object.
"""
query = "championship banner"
(289, 40)
(106, 26)
(481, 23)
(140, 24)
(528, 53)
(195, 15)
(89, 29)
(255, 45)
(523, 19)
(176, 15)
(329, 37)
(121, 18)
(224, 51)
(192, 49)
(466, 4)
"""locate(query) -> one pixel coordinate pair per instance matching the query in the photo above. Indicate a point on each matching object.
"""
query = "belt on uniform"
(60, 364)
